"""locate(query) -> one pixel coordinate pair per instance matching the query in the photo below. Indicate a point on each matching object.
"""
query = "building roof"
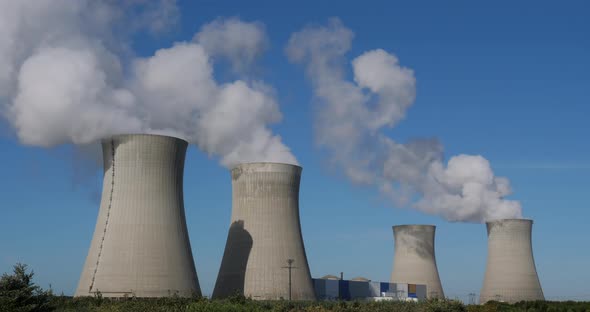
(360, 279)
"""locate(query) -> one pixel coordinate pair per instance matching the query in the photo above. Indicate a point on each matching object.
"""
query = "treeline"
(18, 293)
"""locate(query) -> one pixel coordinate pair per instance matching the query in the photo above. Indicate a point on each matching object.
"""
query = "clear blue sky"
(509, 80)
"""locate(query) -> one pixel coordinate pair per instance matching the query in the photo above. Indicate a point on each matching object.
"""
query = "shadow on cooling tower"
(422, 248)
(414, 260)
(236, 254)
(265, 199)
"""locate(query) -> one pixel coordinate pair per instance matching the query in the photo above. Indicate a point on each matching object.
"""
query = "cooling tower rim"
(246, 164)
(129, 135)
(511, 220)
(424, 226)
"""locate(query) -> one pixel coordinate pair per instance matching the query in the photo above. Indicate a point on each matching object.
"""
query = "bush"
(18, 292)
(240, 303)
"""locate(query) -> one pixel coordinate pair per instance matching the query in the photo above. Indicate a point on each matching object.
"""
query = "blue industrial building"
(331, 288)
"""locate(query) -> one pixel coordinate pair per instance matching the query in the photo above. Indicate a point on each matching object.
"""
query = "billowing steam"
(67, 74)
(352, 115)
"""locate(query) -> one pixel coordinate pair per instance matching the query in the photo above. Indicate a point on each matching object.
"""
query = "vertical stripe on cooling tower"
(108, 214)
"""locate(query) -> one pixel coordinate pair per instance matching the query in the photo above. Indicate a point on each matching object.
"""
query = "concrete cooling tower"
(414, 261)
(265, 233)
(140, 245)
(511, 275)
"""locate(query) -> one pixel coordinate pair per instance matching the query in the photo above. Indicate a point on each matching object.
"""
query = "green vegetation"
(243, 304)
(19, 293)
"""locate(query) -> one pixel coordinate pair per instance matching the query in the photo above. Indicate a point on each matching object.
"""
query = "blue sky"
(509, 81)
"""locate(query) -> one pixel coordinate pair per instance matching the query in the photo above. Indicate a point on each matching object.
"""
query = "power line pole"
(290, 267)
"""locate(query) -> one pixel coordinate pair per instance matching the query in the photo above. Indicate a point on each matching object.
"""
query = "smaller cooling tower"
(414, 261)
(265, 233)
(140, 245)
(511, 275)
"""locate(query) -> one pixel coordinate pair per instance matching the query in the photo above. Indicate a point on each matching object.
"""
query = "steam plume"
(67, 74)
(352, 115)
(240, 43)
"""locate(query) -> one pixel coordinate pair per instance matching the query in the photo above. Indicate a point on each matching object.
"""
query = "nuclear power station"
(141, 245)
(141, 248)
(414, 260)
(264, 256)
(510, 275)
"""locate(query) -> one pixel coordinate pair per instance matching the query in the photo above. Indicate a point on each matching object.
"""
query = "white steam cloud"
(352, 115)
(67, 74)
(240, 43)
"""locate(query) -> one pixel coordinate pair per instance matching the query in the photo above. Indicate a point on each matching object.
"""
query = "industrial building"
(141, 245)
(264, 256)
(414, 260)
(511, 275)
(328, 288)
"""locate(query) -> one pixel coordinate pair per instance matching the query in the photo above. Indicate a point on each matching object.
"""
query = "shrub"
(18, 292)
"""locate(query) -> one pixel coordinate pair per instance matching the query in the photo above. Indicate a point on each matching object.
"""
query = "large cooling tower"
(265, 232)
(414, 261)
(511, 275)
(140, 245)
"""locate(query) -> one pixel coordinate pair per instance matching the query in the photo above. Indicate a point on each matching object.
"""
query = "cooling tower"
(140, 245)
(414, 261)
(265, 233)
(511, 275)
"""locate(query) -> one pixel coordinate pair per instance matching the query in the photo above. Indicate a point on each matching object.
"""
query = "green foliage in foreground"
(235, 304)
(18, 293)
(242, 304)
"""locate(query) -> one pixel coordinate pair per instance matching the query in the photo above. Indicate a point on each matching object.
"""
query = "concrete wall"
(265, 231)
(140, 245)
(414, 260)
(510, 275)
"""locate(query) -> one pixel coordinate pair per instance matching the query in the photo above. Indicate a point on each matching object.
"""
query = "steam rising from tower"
(414, 259)
(265, 234)
(354, 114)
(64, 58)
(140, 245)
(511, 275)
